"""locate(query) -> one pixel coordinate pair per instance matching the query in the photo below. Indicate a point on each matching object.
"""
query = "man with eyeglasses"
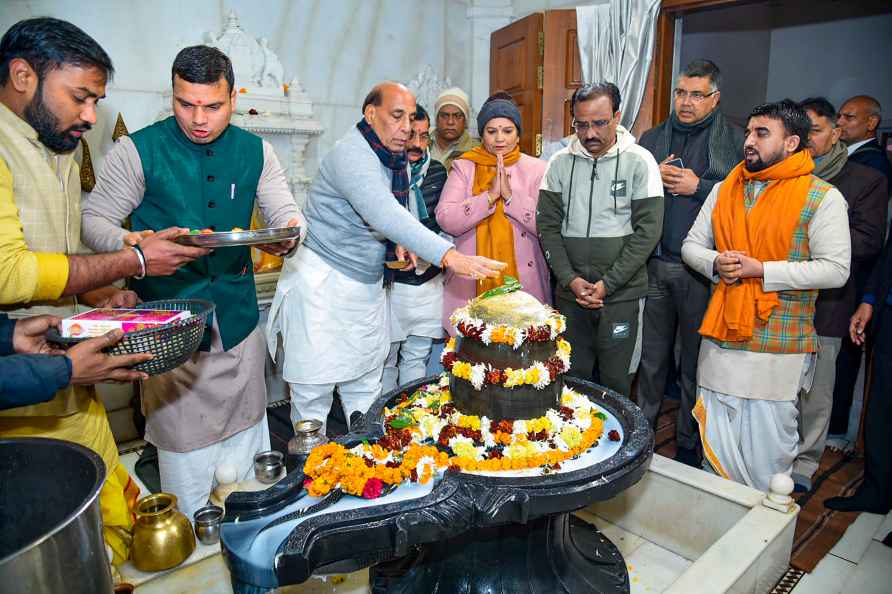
(451, 137)
(696, 147)
(599, 218)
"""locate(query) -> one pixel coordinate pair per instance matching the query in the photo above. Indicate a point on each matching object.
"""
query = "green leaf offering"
(510, 285)
(401, 422)
(601, 416)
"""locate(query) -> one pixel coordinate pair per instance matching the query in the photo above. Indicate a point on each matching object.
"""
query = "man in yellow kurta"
(52, 74)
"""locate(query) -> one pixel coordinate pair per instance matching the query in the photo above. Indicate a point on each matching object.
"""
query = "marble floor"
(858, 563)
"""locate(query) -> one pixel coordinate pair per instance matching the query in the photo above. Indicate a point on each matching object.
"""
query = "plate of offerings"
(208, 238)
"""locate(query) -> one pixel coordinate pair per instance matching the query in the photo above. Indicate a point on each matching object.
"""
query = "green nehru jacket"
(202, 186)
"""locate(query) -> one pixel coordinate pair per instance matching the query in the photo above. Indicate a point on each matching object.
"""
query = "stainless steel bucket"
(50, 520)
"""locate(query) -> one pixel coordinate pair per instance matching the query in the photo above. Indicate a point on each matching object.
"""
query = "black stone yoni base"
(558, 554)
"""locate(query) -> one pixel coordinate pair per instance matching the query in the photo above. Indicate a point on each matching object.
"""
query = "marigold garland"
(364, 469)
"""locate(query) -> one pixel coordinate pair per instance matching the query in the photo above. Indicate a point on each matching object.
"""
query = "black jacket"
(880, 283)
(873, 155)
(431, 187)
(867, 196)
(28, 379)
(680, 212)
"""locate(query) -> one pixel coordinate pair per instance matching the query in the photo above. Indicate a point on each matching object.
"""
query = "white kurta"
(746, 406)
(333, 328)
(416, 310)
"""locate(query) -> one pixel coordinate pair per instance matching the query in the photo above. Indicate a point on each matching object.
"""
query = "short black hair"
(421, 114)
(47, 43)
(704, 69)
(790, 114)
(821, 106)
(591, 91)
(375, 97)
(203, 65)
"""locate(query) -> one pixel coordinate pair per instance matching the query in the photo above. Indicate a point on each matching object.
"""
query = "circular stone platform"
(416, 543)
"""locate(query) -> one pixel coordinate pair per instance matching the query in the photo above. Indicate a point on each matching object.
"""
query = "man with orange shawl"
(768, 236)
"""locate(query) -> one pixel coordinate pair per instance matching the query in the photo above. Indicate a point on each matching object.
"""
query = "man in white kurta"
(755, 358)
(330, 307)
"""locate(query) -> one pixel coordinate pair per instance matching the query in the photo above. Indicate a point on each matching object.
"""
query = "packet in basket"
(97, 322)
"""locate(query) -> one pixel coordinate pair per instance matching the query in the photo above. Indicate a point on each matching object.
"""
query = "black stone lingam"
(472, 533)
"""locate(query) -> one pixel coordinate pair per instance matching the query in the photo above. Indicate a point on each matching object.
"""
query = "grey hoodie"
(600, 219)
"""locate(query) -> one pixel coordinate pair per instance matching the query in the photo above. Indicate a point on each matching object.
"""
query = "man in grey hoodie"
(599, 218)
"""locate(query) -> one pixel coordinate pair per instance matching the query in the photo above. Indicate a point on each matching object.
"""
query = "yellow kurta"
(39, 225)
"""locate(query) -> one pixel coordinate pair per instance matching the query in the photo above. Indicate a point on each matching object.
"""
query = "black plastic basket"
(172, 344)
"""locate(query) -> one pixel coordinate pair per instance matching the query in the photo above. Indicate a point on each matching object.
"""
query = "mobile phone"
(676, 162)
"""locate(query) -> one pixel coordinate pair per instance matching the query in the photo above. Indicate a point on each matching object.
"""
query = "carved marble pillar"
(485, 17)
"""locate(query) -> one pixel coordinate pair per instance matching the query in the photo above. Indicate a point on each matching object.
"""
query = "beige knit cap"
(453, 96)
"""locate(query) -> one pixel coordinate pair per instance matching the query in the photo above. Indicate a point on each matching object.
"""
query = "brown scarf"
(495, 235)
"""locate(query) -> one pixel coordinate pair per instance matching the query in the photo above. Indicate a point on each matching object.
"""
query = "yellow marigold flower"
(571, 435)
(469, 422)
(465, 449)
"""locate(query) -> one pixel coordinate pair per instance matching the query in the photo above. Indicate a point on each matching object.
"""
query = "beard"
(759, 164)
(46, 124)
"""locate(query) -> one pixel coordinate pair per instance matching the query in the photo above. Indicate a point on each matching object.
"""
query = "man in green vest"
(194, 169)
(52, 75)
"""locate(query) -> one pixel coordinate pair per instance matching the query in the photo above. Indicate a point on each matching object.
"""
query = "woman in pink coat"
(489, 205)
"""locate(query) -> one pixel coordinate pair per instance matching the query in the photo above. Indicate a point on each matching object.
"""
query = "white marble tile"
(827, 578)
(685, 512)
(653, 569)
(873, 573)
(857, 537)
(624, 540)
(884, 529)
(210, 576)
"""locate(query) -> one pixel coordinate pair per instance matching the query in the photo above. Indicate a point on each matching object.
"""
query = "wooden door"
(563, 73)
(515, 66)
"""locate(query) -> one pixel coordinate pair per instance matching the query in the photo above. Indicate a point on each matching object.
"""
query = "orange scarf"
(495, 235)
(765, 233)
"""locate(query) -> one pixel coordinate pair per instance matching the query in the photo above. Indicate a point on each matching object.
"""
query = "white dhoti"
(190, 475)
(747, 440)
(416, 313)
(746, 409)
(334, 334)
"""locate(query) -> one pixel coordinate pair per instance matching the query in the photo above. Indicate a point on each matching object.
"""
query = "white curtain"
(616, 42)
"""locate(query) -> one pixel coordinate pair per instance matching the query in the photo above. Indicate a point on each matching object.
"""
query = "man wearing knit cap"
(451, 137)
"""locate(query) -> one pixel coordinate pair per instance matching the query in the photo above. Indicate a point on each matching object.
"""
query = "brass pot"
(162, 537)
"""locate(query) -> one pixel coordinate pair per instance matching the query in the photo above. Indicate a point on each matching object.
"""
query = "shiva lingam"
(466, 532)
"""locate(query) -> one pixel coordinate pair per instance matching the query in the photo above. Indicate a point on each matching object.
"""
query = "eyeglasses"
(584, 126)
(424, 136)
(696, 96)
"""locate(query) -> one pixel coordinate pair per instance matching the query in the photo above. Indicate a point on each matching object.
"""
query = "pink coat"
(459, 213)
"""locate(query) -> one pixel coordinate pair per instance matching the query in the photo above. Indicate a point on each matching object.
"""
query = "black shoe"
(857, 503)
(688, 456)
(888, 540)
